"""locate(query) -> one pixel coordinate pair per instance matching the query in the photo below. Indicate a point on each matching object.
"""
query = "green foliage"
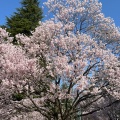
(3, 26)
(18, 96)
(25, 19)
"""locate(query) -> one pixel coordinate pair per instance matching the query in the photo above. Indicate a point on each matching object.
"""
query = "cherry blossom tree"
(64, 63)
(111, 112)
(87, 18)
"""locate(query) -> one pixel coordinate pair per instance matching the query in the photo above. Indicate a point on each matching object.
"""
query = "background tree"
(25, 19)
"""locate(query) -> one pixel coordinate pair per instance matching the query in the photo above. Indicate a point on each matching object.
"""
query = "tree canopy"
(64, 68)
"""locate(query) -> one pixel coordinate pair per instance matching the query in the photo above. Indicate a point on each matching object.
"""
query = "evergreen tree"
(25, 19)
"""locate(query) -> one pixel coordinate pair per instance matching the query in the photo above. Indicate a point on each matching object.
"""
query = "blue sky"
(111, 8)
